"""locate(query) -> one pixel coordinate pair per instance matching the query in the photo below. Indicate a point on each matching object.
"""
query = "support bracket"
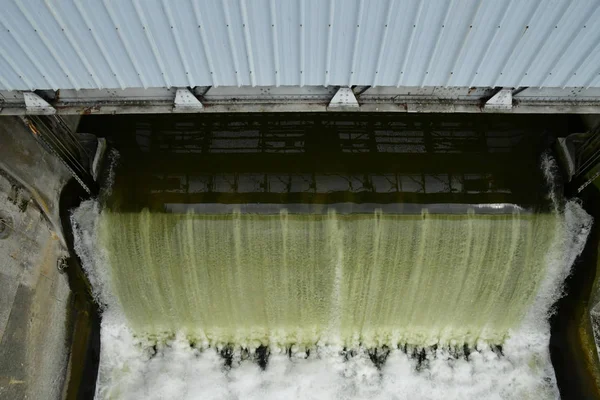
(35, 105)
(501, 100)
(185, 101)
(344, 99)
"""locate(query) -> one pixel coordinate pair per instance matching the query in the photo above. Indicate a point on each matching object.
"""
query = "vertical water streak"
(305, 278)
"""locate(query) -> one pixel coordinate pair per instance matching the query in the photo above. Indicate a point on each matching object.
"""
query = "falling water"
(376, 279)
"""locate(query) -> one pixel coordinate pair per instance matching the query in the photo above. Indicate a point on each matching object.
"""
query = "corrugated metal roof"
(73, 44)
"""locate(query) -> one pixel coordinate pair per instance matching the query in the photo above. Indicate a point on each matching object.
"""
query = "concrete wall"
(34, 296)
(24, 160)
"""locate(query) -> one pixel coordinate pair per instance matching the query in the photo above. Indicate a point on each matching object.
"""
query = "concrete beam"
(502, 100)
(185, 101)
(344, 99)
(35, 105)
(313, 99)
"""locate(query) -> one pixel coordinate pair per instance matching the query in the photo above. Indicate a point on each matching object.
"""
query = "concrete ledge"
(312, 99)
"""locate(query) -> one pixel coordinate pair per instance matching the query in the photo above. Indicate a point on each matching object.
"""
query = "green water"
(376, 279)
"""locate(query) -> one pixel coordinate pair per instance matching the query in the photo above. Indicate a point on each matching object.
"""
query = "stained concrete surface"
(34, 295)
(23, 159)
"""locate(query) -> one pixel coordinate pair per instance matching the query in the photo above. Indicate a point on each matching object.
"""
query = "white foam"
(569, 242)
(94, 260)
(179, 371)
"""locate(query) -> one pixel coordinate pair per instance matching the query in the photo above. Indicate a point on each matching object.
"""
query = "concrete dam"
(299, 199)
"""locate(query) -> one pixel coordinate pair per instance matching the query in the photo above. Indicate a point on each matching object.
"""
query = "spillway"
(330, 271)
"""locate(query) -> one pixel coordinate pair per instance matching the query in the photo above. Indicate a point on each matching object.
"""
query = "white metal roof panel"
(100, 44)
